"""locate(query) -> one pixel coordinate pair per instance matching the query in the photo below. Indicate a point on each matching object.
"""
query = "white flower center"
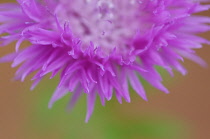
(105, 23)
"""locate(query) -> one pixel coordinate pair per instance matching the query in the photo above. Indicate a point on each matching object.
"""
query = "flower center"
(105, 23)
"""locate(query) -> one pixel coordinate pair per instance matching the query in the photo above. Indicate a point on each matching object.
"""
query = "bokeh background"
(182, 114)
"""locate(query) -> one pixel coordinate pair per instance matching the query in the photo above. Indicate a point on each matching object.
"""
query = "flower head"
(99, 47)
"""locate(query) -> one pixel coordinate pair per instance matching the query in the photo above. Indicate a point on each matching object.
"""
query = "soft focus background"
(182, 114)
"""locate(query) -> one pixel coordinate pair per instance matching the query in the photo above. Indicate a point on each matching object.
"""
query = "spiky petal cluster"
(99, 47)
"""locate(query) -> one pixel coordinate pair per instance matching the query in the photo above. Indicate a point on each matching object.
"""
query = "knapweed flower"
(100, 47)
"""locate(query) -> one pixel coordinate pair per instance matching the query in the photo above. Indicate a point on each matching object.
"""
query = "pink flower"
(99, 47)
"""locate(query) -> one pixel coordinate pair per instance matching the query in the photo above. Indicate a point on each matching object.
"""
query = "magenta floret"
(99, 47)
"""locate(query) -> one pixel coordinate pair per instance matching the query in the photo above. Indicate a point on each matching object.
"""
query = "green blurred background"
(182, 114)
